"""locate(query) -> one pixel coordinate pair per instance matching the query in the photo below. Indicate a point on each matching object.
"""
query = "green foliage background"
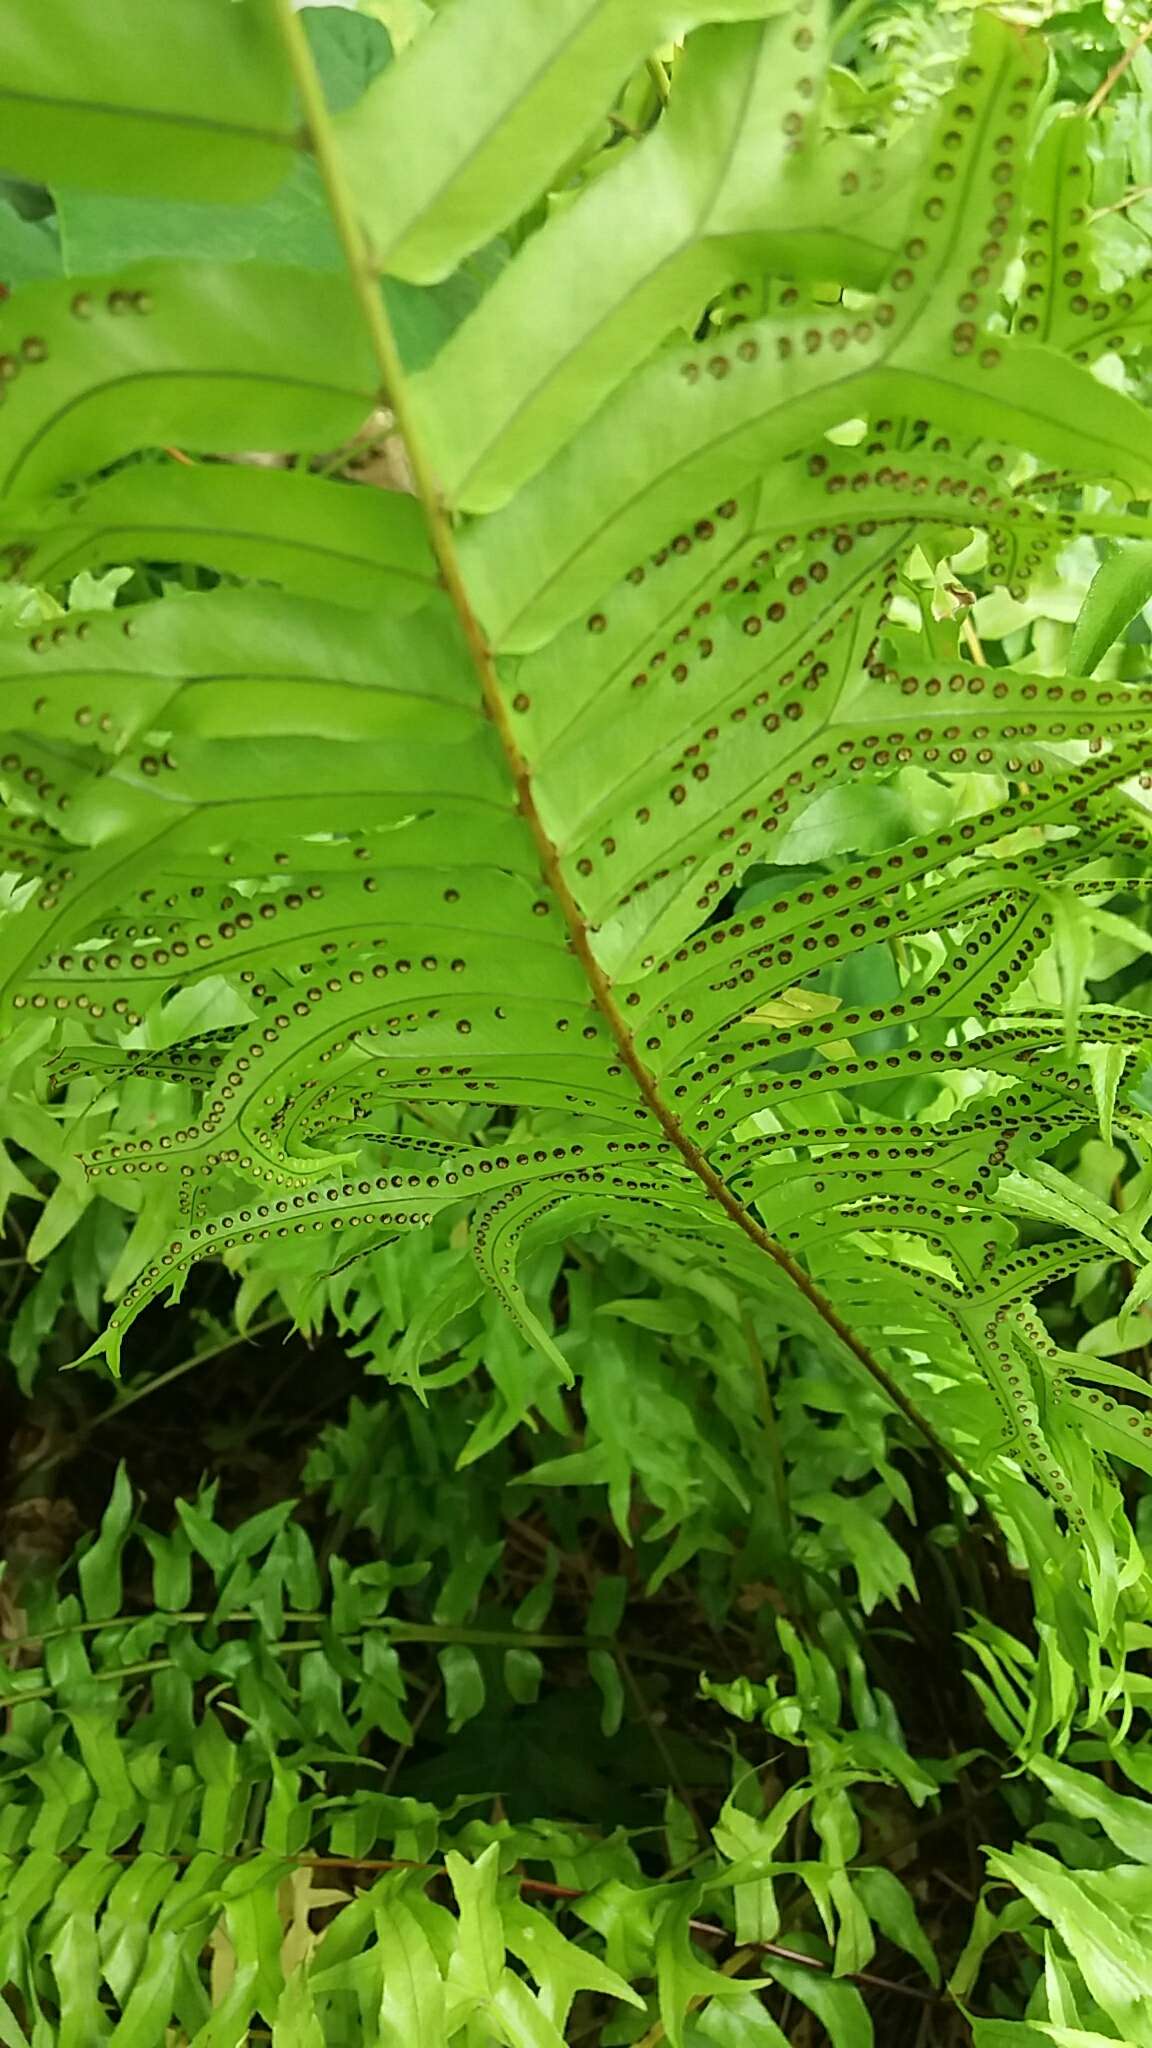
(574, 926)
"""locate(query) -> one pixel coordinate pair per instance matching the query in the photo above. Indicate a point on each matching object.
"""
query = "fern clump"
(626, 836)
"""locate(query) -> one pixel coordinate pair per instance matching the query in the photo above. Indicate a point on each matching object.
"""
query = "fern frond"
(217, 358)
(358, 547)
(469, 815)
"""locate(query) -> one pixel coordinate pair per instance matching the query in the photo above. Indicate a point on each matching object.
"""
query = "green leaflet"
(356, 546)
(1064, 299)
(888, 1904)
(839, 2007)
(721, 189)
(215, 358)
(98, 231)
(701, 424)
(101, 229)
(521, 2020)
(518, 90)
(412, 2007)
(1106, 1947)
(11, 2033)
(297, 2024)
(1120, 589)
(1125, 1821)
(193, 104)
(100, 1567)
(742, 2021)
(479, 1958)
(28, 249)
(559, 1966)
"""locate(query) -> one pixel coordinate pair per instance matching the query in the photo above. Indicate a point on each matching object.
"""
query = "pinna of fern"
(460, 792)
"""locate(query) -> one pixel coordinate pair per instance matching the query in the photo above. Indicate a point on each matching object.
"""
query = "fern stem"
(398, 1631)
(366, 285)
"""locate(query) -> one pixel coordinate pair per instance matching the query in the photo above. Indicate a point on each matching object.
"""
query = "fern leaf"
(195, 105)
(217, 359)
(735, 178)
(358, 547)
(484, 816)
(518, 90)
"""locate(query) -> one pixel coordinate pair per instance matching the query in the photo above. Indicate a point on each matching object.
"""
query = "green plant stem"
(365, 283)
(659, 77)
(1130, 198)
(399, 1631)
